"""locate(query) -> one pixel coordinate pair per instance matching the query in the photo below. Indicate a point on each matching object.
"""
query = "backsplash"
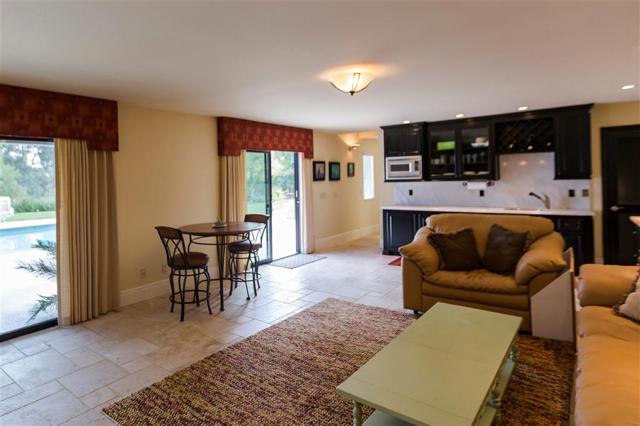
(519, 175)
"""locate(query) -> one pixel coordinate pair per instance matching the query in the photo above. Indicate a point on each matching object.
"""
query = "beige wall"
(605, 115)
(338, 206)
(166, 174)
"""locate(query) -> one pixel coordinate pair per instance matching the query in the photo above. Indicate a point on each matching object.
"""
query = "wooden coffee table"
(450, 368)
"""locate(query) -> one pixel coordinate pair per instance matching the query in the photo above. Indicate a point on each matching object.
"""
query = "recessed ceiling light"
(459, 115)
(628, 86)
(523, 108)
(406, 122)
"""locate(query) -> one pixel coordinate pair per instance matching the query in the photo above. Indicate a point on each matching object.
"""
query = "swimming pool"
(14, 239)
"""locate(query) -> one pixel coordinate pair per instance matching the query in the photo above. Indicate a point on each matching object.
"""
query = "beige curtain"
(86, 228)
(233, 191)
(306, 205)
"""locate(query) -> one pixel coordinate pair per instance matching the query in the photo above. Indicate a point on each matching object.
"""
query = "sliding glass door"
(28, 291)
(272, 189)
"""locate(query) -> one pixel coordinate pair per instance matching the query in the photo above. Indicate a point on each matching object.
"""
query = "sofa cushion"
(607, 382)
(457, 250)
(481, 223)
(511, 301)
(629, 305)
(421, 252)
(599, 320)
(604, 285)
(504, 248)
(478, 280)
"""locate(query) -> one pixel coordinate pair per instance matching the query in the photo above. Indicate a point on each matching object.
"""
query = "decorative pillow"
(503, 250)
(629, 305)
(458, 251)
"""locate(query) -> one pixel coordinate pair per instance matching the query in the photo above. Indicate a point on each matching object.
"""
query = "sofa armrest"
(604, 285)
(421, 252)
(544, 255)
(411, 285)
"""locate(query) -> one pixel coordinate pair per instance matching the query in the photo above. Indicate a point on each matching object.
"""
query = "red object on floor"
(396, 262)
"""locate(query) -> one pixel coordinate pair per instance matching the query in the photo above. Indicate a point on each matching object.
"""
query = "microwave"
(403, 168)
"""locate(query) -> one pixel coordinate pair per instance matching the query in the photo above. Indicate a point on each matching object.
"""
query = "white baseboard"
(323, 243)
(144, 292)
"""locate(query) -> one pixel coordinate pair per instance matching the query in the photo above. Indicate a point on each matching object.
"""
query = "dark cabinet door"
(399, 229)
(393, 145)
(573, 144)
(578, 234)
(413, 139)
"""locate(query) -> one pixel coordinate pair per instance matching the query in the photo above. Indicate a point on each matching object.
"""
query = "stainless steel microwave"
(403, 168)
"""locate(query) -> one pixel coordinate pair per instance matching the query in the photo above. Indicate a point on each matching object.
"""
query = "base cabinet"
(400, 227)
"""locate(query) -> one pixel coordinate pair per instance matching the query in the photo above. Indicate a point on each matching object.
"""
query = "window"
(367, 174)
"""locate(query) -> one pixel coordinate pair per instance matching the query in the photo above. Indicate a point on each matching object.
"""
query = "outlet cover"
(410, 192)
(585, 192)
(572, 193)
(143, 273)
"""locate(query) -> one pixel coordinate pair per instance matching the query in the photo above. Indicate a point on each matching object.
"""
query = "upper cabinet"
(404, 139)
(573, 144)
(461, 150)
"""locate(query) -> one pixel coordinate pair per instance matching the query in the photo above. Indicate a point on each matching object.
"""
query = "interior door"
(621, 192)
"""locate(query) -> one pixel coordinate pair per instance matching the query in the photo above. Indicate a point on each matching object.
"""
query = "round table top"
(232, 228)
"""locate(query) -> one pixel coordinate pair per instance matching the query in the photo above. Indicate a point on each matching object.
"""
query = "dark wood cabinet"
(573, 144)
(404, 139)
(461, 150)
(400, 227)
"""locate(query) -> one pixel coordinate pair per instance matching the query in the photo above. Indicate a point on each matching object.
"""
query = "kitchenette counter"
(492, 210)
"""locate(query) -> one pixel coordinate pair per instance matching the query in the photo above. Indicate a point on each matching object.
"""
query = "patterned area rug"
(296, 260)
(287, 374)
(396, 262)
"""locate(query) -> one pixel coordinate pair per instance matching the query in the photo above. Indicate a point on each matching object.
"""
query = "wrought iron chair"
(184, 264)
(244, 256)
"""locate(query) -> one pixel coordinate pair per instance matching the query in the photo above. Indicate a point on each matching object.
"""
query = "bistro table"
(210, 235)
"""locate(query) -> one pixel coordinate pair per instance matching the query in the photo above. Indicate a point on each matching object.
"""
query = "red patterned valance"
(235, 134)
(42, 114)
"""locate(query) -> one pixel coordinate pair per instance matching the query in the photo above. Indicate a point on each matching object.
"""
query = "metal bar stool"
(244, 256)
(184, 264)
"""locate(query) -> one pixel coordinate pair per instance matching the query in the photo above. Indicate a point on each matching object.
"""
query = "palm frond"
(45, 268)
(43, 304)
(48, 246)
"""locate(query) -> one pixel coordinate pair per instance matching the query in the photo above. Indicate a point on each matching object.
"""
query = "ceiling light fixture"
(406, 122)
(628, 86)
(459, 115)
(523, 108)
(351, 82)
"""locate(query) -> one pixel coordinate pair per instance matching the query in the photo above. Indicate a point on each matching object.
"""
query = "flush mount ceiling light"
(523, 108)
(351, 82)
(459, 115)
(406, 122)
(628, 86)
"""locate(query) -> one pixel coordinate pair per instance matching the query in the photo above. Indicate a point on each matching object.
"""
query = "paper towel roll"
(476, 186)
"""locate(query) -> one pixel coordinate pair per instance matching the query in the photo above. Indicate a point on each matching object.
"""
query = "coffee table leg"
(357, 413)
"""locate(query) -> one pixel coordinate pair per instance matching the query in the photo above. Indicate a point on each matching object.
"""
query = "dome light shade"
(351, 82)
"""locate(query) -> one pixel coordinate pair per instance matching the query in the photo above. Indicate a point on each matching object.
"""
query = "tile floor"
(66, 375)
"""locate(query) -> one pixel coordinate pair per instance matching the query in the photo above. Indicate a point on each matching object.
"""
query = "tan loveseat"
(424, 284)
(607, 387)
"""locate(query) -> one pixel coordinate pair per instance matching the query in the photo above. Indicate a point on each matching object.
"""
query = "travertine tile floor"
(66, 375)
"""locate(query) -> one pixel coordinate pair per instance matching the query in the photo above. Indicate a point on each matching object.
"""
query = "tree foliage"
(27, 171)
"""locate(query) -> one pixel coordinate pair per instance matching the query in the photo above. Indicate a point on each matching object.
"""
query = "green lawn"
(32, 215)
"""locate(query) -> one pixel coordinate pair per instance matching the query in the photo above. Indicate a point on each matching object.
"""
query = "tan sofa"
(424, 284)
(607, 388)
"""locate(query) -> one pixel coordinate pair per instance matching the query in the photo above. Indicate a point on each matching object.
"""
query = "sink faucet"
(545, 199)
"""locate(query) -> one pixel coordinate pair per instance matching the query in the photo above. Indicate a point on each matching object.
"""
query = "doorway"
(28, 294)
(620, 193)
(272, 181)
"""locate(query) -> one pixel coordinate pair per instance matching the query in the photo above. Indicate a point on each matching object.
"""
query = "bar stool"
(184, 264)
(244, 256)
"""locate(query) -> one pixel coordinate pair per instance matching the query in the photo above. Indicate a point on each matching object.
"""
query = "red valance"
(42, 114)
(235, 134)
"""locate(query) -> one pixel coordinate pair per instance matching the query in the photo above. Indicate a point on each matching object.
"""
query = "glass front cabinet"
(462, 151)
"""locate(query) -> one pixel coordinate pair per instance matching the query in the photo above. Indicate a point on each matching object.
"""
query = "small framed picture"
(351, 169)
(319, 170)
(334, 170)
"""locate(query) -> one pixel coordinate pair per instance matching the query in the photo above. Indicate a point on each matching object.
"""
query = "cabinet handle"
(616, 208)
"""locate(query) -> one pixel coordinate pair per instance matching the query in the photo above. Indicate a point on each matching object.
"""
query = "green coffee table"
(450, 368)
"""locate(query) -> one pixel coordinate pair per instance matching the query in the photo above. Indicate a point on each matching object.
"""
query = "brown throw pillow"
(457, 251)
(504, 249)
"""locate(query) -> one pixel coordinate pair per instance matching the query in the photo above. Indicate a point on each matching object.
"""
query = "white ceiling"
(261, 60)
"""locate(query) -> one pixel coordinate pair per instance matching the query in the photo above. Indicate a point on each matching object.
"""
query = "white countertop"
(498, 210)
(635, 220)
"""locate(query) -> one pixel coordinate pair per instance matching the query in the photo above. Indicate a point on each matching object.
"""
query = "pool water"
(15, 239)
